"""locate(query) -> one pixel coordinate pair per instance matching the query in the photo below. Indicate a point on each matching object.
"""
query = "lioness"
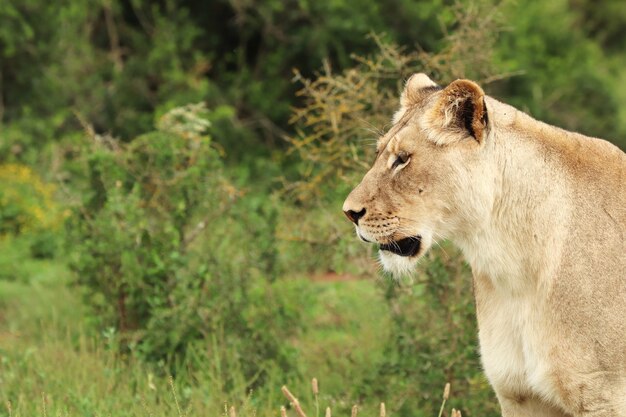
(539, 213)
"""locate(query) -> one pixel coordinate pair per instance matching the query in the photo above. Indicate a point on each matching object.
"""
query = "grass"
(16, 264)
(353, 323)
(55, 361)
(51, 357)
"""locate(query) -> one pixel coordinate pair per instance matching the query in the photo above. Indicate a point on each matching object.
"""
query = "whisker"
(377, 130)
(435, 234)
(368, 138)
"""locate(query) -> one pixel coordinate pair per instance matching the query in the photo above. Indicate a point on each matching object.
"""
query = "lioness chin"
(540, 215)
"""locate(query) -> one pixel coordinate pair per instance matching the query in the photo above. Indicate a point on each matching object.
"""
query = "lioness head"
(428, 180)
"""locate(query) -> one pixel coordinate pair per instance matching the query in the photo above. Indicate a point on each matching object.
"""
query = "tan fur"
(540, 214)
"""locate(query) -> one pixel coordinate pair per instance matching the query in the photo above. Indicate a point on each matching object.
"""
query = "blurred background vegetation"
(171, 178)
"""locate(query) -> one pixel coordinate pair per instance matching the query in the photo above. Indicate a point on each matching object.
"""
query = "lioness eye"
(402, 158)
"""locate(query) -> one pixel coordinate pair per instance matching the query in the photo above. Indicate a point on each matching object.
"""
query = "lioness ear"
(459, 112)
(415, 87)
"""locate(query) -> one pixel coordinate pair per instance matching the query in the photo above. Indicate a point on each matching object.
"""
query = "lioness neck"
(526, 224)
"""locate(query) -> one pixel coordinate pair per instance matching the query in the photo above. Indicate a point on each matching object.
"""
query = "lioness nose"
(354, 216)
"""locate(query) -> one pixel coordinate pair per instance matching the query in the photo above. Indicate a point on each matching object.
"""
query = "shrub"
(173, 257)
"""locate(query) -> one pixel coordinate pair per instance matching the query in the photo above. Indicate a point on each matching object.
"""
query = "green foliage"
(560, 81)
(136, 221)
(171, 259)
(604, 24)
(126, 69)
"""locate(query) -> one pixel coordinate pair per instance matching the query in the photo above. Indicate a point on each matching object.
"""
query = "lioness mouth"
(405, 247)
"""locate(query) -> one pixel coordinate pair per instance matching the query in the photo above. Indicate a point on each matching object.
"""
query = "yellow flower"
(26, 201)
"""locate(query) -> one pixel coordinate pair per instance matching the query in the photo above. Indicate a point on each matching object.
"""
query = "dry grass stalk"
(316, 391)
(142, 401)
(383, 412)
(446, 393)
(43, 404)
(294, 401)
(173, 388)
(232, 412)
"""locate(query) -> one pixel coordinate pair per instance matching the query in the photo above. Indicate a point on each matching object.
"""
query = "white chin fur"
(397, 265)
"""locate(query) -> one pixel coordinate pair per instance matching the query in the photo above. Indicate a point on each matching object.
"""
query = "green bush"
(172, 257)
